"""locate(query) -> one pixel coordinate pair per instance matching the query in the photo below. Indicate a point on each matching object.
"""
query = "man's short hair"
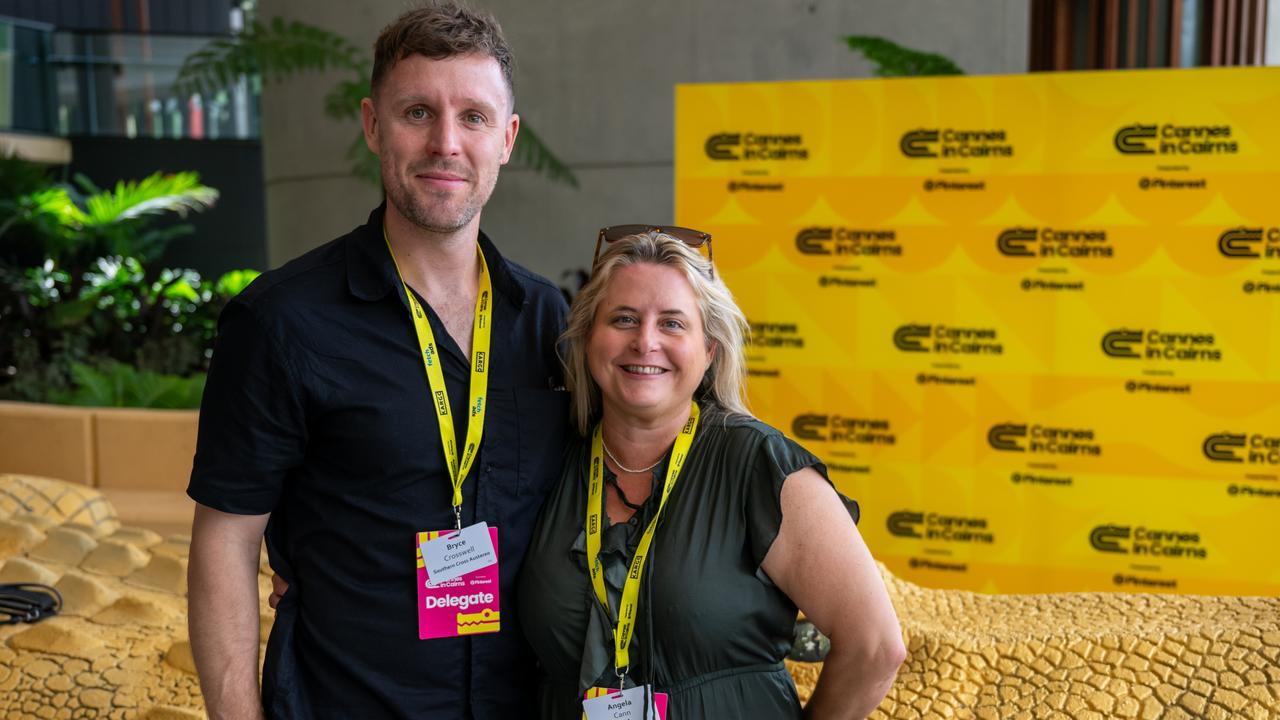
(442, 30)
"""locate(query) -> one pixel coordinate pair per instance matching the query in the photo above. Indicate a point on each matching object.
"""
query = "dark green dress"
(712, 628)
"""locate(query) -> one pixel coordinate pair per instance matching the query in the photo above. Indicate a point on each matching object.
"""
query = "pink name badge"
(466, 605)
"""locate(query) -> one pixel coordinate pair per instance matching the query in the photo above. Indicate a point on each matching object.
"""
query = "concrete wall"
(596, 79)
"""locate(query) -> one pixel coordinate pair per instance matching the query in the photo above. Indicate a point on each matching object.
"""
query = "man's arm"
(222, 583)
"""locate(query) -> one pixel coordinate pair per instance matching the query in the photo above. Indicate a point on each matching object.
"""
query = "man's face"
(441, 129)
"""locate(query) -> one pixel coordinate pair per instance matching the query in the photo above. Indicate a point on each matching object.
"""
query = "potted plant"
(90, 319)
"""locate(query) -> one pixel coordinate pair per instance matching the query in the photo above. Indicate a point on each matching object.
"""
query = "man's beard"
(435, 213)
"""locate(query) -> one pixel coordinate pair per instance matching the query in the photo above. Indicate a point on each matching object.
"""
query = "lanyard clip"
(457, 516)
(621, 672)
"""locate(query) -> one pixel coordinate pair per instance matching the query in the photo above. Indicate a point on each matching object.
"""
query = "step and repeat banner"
(1031, 323)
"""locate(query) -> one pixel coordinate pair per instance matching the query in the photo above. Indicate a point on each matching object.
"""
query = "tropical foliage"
(115, 384)
(95, 222)
(890, 59)
(86, 313)
(280, 49)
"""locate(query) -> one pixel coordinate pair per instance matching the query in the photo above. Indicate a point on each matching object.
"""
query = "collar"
(371, 274)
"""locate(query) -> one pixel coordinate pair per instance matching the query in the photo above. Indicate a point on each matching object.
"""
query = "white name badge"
(454, 555)
(624, 705)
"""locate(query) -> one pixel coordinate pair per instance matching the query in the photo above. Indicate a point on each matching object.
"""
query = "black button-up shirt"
(318, 411)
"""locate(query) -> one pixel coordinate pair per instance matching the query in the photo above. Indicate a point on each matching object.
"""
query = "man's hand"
(222, 596)
(278, 588)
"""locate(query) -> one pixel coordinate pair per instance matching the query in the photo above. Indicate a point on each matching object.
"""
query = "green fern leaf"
(364, 164)
(234, 281)
(342, 102)
(531, 152)
(275, 51)
(153, 195)
(893, 60)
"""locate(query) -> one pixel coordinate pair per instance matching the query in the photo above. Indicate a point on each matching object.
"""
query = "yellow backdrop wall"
(1032, 323)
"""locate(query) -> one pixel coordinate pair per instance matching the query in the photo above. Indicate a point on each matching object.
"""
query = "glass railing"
(113, 84)
(6, 74)
(26, 83)
(122, 85)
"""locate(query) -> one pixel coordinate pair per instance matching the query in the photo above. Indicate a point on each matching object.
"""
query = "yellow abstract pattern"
(1030, 322)
(486, 620)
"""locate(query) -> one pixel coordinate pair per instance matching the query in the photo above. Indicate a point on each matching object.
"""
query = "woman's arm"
(820, 561)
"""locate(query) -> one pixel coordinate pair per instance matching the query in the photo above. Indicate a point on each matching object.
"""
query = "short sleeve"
(252, 426)
(776, 458)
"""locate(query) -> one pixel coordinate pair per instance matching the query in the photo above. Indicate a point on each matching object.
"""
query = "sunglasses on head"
(693, 238)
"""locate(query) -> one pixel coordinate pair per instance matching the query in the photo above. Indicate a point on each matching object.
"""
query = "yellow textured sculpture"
(120, 650)
(56, 502)
(1080, 655)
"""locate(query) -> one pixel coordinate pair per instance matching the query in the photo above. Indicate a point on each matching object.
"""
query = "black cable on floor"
(28, 602)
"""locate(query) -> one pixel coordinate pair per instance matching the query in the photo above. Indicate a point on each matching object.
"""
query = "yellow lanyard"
(631, 587)
(479, 377)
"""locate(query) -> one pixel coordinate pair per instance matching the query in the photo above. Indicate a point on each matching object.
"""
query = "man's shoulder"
(521, 285)
(310, 292)
(324, 263)
(537, 288)
(314, 281)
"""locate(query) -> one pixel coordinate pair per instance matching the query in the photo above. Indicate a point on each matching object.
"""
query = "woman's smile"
(647, 349)
(644, 369)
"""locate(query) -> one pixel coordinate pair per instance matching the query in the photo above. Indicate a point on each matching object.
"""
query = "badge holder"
(623, 704)
(458, 582)
(626, 703)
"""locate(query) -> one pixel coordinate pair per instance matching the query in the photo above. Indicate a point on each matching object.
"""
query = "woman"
(734, 525)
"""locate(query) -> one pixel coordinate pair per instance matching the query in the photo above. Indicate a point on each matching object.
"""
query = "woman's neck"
(637, 441)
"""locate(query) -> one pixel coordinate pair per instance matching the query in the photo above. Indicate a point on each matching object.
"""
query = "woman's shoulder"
(576, 450)
(739, 428)
(749, 439)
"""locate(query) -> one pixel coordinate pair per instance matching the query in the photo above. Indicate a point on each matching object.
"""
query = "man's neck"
(444, 268)
(437, 264)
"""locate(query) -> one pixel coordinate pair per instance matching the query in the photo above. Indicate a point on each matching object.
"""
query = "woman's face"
(647, 350)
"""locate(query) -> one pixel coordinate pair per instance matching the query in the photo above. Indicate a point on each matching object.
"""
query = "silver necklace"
(624, 468)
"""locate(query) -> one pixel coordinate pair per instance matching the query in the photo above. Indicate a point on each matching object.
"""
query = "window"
(122, 85)
(25, 83)
(1111, 34)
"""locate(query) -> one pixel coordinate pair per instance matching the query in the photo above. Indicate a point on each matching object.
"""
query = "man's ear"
(369, 122)
(513, 127)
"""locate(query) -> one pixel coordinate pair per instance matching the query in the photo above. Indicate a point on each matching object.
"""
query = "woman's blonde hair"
(724, 327)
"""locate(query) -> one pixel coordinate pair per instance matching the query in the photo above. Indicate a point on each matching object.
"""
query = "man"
(323, 425)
